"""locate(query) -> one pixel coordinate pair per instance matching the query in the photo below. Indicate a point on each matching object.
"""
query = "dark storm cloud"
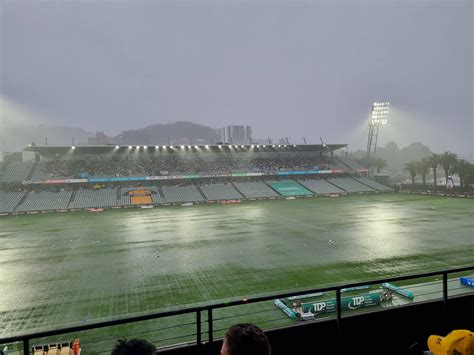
(288, 69)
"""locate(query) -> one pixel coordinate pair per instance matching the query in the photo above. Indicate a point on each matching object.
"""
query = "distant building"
(236, 134)
(99, 139)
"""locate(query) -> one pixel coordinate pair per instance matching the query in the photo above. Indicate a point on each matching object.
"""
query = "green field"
(69, 268)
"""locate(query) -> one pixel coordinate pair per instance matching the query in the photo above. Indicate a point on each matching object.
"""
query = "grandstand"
(94, 198)
(16, 172)
(9, 200)
(102, 176)
(321, 187)
(373, 184)
(350, 185)
(350, 163)
(214, 192)
(255, 190)
(180, 194)
(45, 201)
(289, 188)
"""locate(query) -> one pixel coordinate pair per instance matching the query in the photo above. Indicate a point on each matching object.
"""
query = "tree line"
(449, 162)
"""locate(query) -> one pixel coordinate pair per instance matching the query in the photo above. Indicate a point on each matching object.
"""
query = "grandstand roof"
(144, 149)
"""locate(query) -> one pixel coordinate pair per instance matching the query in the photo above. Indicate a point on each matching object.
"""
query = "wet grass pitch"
(64, 269)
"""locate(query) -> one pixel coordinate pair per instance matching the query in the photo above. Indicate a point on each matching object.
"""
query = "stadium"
(191, 239)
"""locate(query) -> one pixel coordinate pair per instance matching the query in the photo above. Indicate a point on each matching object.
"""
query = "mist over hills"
(14, 137)
(164, 133)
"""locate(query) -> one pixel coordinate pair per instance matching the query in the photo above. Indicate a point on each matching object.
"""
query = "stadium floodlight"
(116, 147)
(258, 146)
(182, 146)
(294, 145)
(138, 147)
(129, 147)
(251, 146)
(145, 147)
(236, 146)
(273, 145)
(284, 146)
(379, 117)
(242, 146)
(379, 113)
(73, 147)
(156, 147)
(219, 146)
(264, 146)
(206, 146)
(196, 146)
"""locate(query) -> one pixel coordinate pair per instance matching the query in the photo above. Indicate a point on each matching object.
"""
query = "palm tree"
(434, 163)
(423, 166)
(462, 168)
(380, 164)
(411, 167)
(448, 160)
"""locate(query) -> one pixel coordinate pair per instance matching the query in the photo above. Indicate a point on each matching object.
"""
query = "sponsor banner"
(117, 179)
(326, 171)
(191, 176)
(347, 303)
(299, 172)
(399, 290)
(157, 177)
(75, 181)
(362, 170)
(289, 312)
(55, 181)
(337, 171)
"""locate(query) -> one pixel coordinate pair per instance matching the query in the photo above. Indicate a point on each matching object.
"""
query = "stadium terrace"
(90, 177)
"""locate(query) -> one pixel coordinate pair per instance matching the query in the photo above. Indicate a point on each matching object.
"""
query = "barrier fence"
(200, 324)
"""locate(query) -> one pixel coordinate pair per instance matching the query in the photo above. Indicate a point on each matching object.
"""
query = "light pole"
(379, 117)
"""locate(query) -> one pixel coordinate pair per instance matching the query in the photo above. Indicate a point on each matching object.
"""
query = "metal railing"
(210, 309)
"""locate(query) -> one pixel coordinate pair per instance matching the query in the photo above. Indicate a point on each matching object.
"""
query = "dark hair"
(133, 347)
(247, 339)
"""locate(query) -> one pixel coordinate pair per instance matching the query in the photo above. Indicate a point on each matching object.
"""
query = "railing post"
(445, 290)
(209, 323)
(198, 332)
(445, 299)
(339, 312)
(26, 347)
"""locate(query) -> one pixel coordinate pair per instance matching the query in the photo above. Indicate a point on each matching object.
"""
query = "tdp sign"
(347, 303)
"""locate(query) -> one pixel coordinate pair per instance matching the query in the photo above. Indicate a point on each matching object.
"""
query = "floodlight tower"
(379, 118)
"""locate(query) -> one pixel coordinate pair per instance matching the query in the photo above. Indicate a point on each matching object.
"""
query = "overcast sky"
(289, 69)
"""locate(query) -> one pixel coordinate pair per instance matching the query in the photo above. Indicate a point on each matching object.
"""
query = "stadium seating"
(176, 194)
(350, 185)
(255, 189)
(155, 194)
(289, 188)
(95, 198)
(321, 187)
(45, 200)
(215, 192)
(338, 165)
(9, 200)
(16, 172)
(350, 163)
(373, 184)
(41, 173)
